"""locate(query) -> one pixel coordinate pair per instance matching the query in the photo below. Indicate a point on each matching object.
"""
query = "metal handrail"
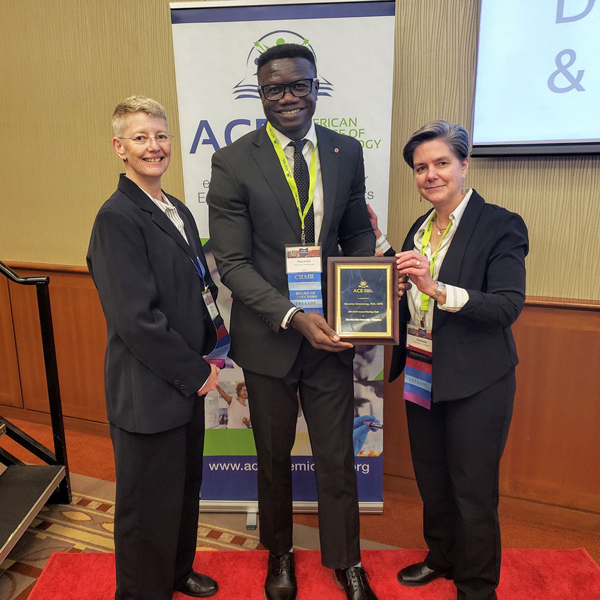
(6, 270)
(56, 414)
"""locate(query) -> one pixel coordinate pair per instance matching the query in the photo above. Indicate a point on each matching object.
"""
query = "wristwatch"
(439, 290)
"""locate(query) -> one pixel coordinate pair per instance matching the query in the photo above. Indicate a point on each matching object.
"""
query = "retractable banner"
(216, 48)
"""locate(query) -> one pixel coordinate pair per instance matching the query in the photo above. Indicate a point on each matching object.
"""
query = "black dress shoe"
(419, 574)
(354, 582)
(281, 578)
(199, 586)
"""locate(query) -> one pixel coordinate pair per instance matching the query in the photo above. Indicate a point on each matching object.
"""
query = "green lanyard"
(290, 176)
(426, 237)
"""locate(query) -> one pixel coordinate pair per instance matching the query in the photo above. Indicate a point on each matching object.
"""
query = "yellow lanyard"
(424, 244)
(290, 176)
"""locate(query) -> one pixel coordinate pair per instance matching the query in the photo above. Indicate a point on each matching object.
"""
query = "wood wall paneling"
(80, 339)
(29, 344)
(554, 442)
(10, 386)
(552, 459)
(93, 427)
(397, 460)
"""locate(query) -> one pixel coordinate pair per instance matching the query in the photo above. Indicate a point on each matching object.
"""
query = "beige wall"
(65, 64)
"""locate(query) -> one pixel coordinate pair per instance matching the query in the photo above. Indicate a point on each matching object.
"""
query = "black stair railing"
(62, 495)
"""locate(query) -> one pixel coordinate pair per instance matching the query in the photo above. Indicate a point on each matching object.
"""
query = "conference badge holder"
(303, 266)
(211, 307)
(219, 354)
(417, 372)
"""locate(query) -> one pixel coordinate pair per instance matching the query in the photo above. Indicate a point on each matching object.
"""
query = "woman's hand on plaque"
(416, 266)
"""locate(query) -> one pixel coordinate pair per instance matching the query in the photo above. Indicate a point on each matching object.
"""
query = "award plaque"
(362, 299)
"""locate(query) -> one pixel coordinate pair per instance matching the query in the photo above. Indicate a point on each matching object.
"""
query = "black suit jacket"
(157, 324)
(253, 216)
(475, 347)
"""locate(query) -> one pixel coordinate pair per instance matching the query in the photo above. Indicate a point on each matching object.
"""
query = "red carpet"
(526, 575)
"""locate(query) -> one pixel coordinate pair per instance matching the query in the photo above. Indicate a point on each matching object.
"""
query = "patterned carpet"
(86, 525)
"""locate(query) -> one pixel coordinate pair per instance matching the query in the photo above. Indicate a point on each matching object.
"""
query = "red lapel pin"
(336, 150)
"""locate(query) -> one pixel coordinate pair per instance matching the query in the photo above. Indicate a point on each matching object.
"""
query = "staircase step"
(24, 489)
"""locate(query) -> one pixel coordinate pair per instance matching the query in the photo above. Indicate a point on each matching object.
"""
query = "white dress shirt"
(318, 202)
(171, 212)
(307, 152)
(456, 297)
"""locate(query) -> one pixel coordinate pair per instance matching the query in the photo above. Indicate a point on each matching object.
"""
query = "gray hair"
(455, 136)
(132, 105)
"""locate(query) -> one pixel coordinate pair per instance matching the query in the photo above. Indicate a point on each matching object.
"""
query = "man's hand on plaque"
(316, 330)
(403, 285)
(403, 282)
(374, 223)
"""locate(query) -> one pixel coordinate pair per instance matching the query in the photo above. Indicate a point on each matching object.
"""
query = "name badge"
(303, 266)
(218, 355)
(417, 373)
(211, 306)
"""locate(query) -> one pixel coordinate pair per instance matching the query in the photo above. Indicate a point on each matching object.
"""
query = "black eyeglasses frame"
(288, 86)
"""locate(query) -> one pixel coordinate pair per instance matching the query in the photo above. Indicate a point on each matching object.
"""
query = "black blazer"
(253, 216)
(157, 324)
(474, 347)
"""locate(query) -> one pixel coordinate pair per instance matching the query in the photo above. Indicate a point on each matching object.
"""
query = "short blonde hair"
(135, 104)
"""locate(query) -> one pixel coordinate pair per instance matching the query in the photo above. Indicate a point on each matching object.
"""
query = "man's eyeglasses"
(162, 139)
(276, 91)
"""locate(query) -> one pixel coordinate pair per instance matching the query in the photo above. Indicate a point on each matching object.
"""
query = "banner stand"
(251, 509)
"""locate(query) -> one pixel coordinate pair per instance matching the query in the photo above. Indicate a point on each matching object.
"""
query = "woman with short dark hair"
(465, 260)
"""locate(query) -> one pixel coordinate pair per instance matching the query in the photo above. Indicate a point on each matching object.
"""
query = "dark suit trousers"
(456, 449)
(156, 516)
(327, 397)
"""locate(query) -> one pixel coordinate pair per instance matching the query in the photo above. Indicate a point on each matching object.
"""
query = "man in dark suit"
(253, 216)
(146, 260)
